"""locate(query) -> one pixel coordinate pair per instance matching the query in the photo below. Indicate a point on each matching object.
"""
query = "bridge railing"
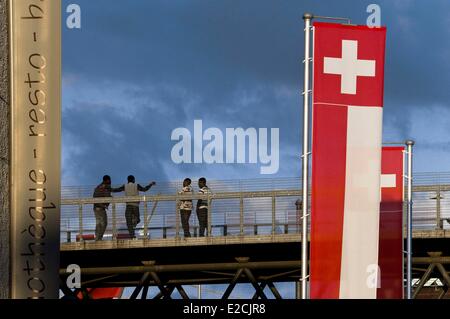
(431, 207)
(237, 207)
(229, 213)
(431, 200)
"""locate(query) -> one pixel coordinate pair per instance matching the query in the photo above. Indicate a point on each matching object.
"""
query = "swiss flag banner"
(346, 159)
(390, 251)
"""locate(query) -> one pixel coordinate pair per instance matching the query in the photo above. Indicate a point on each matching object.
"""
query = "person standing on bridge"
(186, 207)
(102, 190)
(202, 207)
(132, 215)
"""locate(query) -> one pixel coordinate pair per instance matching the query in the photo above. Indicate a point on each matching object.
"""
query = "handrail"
(431, 203)
(150, 198)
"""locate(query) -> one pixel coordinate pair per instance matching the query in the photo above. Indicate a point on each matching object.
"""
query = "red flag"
(346, 159)
(391, 224)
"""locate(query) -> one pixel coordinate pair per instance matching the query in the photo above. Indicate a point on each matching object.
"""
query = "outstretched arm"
(146, 188)
(118, 189)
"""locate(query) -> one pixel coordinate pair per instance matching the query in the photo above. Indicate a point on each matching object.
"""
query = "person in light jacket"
(186, 206)
(132, 215)
(202, 207)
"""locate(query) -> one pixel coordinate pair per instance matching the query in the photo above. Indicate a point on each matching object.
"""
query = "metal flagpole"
(307, 17)
(409, 145)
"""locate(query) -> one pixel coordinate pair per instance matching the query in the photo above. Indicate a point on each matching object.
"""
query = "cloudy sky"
(139, 69)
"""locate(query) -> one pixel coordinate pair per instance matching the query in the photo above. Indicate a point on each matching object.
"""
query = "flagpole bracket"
(309, 91)
(303, 155)
(304, 278)
(408, 177)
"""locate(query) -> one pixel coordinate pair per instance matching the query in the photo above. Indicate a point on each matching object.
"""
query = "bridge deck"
(220, 240)
(208, 259)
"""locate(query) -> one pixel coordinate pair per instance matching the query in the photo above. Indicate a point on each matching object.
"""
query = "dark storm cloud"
(197, 43)
(116, 128)
(229, 63)
(111, 145)
(212, 46)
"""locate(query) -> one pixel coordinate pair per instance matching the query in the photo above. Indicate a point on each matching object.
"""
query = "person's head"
(106, 180)
(187, 182)
(131, 179)
(201, 182)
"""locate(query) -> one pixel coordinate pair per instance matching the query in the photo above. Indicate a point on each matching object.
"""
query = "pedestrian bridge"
(254, 228)
(239, 210)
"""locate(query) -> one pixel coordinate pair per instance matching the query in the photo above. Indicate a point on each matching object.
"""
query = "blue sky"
(139, 69)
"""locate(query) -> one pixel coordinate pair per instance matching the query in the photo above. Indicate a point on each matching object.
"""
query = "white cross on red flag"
(346, 159)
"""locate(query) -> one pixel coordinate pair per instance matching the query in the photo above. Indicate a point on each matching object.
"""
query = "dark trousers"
(101, 221)
(185, 215)
(202, 215)
(132, 217)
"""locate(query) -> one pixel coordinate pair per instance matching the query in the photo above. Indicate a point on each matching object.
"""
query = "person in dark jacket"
(102, 190)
